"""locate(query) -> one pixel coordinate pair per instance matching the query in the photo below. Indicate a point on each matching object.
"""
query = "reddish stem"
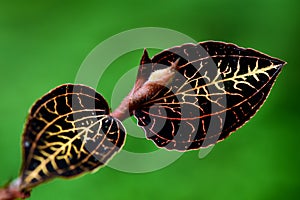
(135, 99)
(12, 192)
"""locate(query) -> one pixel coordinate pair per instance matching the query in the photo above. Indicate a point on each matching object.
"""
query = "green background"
(43, 43)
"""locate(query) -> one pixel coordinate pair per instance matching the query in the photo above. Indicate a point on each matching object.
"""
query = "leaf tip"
(145, 57)
(278, 61)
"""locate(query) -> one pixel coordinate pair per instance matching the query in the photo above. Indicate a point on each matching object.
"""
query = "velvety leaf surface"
(68, 132)
(218, 87)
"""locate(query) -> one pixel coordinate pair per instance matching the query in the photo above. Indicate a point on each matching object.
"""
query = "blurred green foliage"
(43, 43)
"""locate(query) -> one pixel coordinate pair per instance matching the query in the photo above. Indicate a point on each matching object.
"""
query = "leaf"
(217, 89)
(68, 132)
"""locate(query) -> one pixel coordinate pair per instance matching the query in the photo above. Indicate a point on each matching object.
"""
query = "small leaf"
(217, 89)
(68, 132)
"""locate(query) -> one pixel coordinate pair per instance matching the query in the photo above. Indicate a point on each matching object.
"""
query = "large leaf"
(218, 87)
(68, 132)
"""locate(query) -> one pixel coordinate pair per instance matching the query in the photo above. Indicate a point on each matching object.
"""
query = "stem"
(12, 191)
(135, 99)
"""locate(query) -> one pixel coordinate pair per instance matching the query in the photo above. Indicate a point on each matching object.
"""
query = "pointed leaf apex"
(145, 57)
